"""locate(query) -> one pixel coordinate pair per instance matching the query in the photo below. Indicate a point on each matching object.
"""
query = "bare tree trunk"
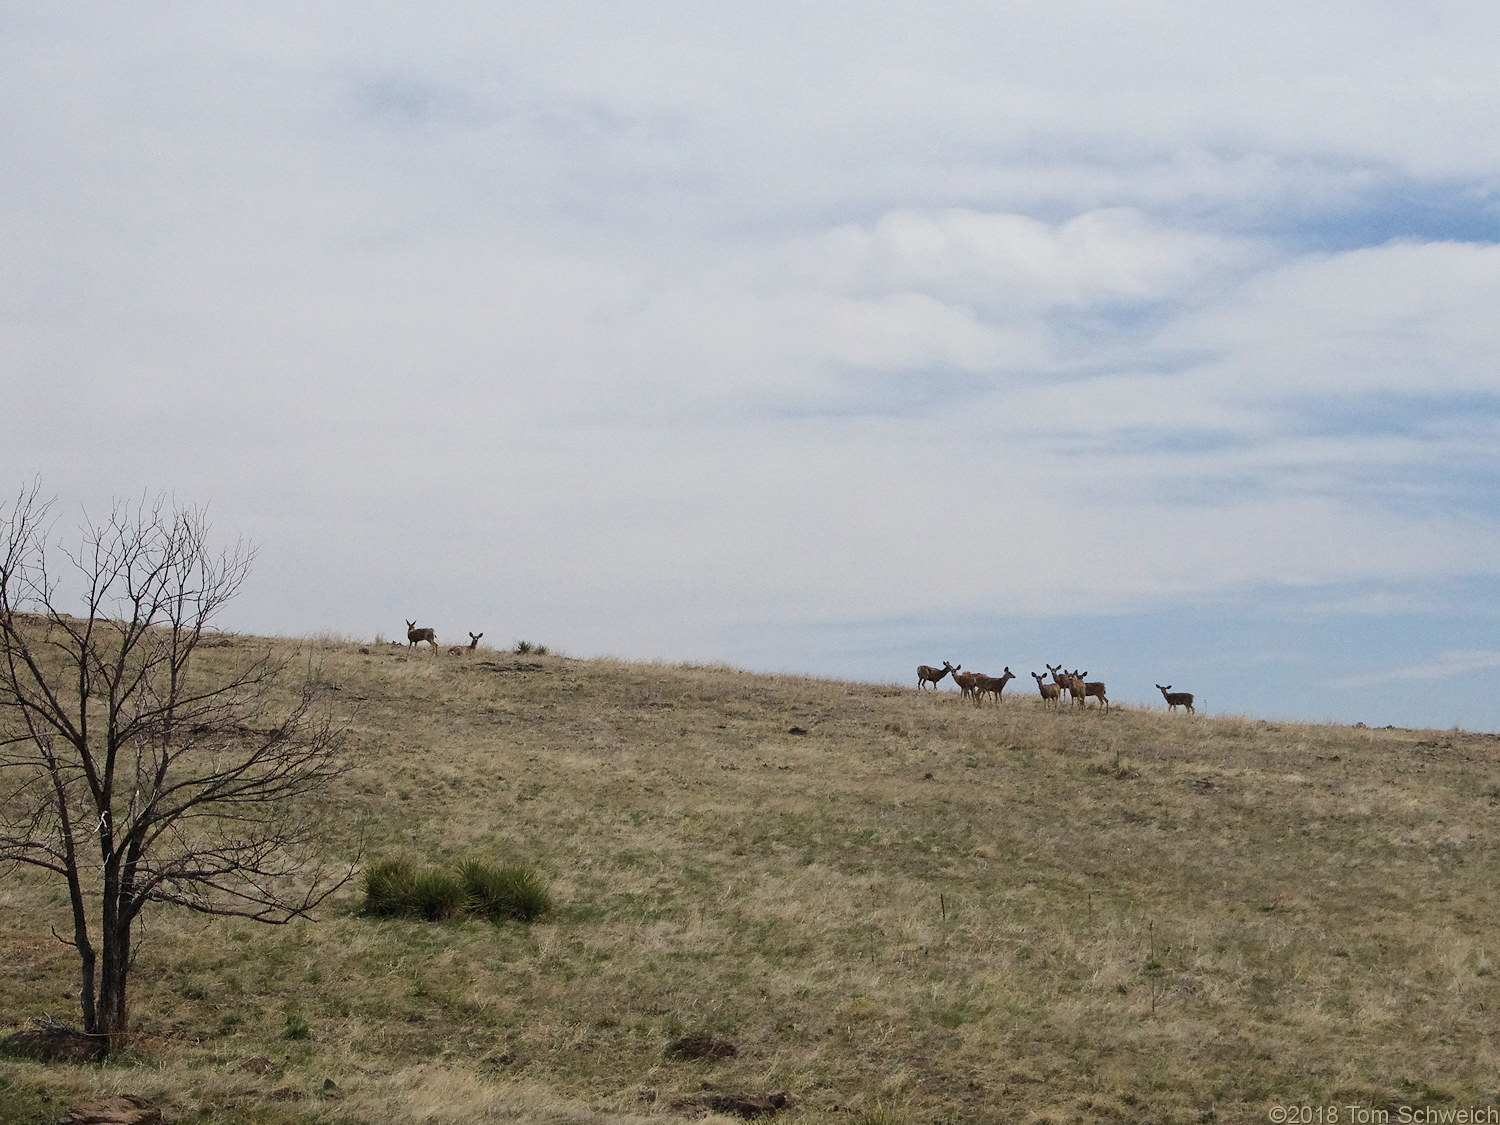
(114, 1013)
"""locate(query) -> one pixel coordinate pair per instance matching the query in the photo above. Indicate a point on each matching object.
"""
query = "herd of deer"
(976, 685)
(415, 636)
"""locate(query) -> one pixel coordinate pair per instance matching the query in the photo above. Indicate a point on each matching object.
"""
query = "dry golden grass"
(917, 911)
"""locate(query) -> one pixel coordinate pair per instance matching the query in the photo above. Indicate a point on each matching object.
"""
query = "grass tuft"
(388, 888)
(504, 893)
(438, 895)
(396, 888)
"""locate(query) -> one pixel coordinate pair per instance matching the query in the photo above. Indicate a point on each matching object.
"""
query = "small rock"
(122, 1109)
(747, 1105)
(797, 730)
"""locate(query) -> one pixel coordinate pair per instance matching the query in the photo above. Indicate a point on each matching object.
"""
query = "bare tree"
(132, 765)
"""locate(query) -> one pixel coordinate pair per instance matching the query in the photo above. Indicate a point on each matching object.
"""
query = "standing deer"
(1069, 682)
(415, 636)
(926, 674)
(1051, 693)
(966, 682)
(1176, 699)
(1083, 692)
(993, 684)
(459, 650)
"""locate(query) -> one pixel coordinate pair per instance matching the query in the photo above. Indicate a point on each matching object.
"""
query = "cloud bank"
(650, 330)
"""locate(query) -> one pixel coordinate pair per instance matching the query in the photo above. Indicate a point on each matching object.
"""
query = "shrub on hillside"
(396, 888)
(438, 895)
(388, 888)
(501, 893)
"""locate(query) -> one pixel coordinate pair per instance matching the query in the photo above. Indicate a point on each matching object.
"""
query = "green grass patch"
(397, 888)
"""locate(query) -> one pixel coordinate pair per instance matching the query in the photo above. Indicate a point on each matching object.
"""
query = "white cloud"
(1406, 318)
(1453, 666)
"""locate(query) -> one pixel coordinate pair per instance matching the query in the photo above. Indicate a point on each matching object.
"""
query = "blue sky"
(1137, 336)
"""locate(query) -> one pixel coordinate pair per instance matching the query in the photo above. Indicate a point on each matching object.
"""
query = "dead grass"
(915, 911)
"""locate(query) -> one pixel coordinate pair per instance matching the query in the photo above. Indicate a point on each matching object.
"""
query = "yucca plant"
(388, 887)
(438, 895)
(501, 893)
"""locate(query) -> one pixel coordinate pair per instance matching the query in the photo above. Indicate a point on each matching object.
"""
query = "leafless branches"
(129, 765)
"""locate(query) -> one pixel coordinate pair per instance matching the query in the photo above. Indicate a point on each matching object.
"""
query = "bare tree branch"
(132, 767)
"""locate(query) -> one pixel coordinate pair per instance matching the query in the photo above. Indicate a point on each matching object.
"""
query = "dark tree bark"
(129, 767)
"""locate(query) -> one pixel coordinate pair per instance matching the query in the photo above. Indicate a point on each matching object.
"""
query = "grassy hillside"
(915, 911)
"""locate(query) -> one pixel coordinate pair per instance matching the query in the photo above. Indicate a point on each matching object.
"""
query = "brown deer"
(1051, 693)
(992, 684)
(1176, 699)
(926, 674)
(1083, 692)
(1067, 682)
(415, 636)
(1072, 683)
(967, 682)
(459, 650)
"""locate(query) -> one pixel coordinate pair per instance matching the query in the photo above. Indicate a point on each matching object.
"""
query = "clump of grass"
(1121, 769)
(702, 1046)
(523, 647)
(501, 893)
(438, 895)
(388, 885)
(297, 1027)
(396, 888)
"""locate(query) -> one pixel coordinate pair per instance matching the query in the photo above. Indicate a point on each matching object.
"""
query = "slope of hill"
(894, 906)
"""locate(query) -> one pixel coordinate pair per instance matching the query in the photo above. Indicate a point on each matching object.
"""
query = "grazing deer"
(459, 650)
(1176, 699)
(1083, 692)
(926, 674)
(1051, 693)
(966, 682)
(992, 684)
(415, 636)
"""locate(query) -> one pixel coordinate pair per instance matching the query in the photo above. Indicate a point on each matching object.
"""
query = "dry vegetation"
(915, 911)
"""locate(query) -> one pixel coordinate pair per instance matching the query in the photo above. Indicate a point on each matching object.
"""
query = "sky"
(1151, 338)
